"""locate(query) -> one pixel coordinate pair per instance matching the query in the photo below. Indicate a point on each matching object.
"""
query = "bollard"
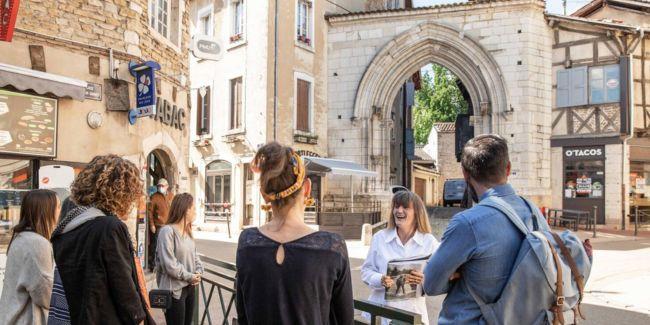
(594, 223)
(366, 234)
(636, 220)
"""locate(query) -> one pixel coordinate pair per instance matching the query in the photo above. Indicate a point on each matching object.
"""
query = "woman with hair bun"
(287, 273)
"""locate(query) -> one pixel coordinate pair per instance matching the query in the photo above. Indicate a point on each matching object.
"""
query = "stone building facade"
(260, 89)
(86, 46)
(500, 50)
(440, 143)
(601, 110)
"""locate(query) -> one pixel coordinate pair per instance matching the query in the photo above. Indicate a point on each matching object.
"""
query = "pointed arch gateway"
(402, 57)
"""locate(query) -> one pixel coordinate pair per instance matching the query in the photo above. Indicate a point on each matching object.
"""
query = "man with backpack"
(498, 262)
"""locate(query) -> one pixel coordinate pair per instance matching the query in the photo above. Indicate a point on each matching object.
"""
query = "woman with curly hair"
(93, 249)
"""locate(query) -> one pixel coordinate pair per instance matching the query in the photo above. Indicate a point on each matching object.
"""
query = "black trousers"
(182, 309)
(153, 241)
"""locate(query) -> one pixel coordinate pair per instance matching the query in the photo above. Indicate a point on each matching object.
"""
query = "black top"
(312, 286)
(96, 266)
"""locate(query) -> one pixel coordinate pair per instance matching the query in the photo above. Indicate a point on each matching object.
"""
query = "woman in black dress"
(287, 273)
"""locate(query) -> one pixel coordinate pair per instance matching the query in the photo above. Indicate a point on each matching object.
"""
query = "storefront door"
(584, 180)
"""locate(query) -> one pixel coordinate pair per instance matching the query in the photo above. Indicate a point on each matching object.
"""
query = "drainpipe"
(630, 82)
(275, 73)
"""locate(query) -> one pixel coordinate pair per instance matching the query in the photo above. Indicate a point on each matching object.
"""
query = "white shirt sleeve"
(370, 269)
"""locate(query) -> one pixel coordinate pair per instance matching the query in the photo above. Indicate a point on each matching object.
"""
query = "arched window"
(218, 176)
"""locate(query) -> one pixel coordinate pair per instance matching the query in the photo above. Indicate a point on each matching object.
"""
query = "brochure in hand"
(397, 270)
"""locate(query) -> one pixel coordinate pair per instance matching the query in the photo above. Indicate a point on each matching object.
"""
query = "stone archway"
(406, 54)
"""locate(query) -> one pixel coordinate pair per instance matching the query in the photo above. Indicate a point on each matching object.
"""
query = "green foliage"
(438, 100)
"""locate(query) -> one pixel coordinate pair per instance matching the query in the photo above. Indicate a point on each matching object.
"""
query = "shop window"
(203, 111)
(584, 179)
(236, 104)
(238, 20)
(304, 20)
(16, 178)
(218, 189)
(571, 87)
(303, 105)
(164, 18)
(604, 84)
(640, 183)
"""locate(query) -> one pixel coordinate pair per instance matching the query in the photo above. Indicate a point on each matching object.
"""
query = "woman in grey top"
(30, 264)
(178, 266)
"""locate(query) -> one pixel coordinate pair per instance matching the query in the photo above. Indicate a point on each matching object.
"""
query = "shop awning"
(336, 167)
(41, 82)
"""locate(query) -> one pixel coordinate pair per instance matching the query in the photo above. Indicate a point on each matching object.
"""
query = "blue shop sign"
(145, 83)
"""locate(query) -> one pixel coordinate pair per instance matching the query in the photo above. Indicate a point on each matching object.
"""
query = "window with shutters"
(205, 24)
(203, 111)
(304, 21)
(165, 19)
(303, 105)
(593, 85)
(236, 104)
(238, 20)
(571, 87)
(604, 84)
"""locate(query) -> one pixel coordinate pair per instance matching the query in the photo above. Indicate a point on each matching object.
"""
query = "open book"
(398, 269)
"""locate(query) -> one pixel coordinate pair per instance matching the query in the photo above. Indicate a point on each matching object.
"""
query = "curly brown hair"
(109, 183)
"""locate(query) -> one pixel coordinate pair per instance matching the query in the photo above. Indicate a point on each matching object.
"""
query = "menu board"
(27, 124)
(583, 185)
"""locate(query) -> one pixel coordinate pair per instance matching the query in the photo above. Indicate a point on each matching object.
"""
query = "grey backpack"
(547, 279)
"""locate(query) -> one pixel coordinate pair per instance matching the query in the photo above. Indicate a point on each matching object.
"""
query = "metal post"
(195, 319)
(594, 223)
(636, 220)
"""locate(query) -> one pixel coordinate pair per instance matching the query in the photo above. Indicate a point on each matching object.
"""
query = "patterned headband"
(299, 171)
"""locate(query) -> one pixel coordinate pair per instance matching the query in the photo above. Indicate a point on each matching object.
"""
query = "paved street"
(617, 291)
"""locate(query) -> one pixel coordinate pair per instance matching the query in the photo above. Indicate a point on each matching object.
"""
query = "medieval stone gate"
(500, 50)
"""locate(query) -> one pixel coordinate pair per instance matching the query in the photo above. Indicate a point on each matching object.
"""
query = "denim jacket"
(481, 244)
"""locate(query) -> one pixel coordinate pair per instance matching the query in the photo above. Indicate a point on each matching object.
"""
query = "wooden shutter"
(302, 109)
(421, 188)
(239, 103)
(199, 111)
(562, 92)
(578, 86)
(235, 103)
(207, 110)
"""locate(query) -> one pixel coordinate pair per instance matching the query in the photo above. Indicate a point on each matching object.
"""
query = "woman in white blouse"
(408, 235)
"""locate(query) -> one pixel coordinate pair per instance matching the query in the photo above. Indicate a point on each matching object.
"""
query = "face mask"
(162, 190)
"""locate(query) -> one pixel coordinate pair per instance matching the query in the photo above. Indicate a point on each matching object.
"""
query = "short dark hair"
(486, 159)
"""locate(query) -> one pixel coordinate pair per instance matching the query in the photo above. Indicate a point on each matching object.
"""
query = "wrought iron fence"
(219, 279)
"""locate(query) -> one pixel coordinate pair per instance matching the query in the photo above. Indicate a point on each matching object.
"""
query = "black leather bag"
(160, 298)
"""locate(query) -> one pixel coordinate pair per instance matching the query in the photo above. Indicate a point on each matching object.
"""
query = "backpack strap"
(503, 207)
(577, 277)
(559, 288)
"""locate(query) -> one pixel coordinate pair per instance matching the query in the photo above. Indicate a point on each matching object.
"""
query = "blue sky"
(553, 6)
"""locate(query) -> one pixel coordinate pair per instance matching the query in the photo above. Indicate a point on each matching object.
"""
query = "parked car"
(453, 192)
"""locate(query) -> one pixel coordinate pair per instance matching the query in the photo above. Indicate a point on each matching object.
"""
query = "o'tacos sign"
(584, 153)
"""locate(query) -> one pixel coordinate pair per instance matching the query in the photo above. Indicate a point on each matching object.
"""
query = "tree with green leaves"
(438, 100)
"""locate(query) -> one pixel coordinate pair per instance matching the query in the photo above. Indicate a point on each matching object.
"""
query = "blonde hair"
(406, 199)
(109, 183)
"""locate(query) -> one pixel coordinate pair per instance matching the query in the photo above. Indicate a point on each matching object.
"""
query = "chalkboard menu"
(28, 124)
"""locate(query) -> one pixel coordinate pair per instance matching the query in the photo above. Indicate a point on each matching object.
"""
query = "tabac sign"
(145, 87)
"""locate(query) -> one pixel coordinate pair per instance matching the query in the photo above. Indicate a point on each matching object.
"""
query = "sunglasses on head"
(398, 188)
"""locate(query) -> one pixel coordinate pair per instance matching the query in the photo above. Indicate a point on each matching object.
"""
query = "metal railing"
(640, 217)
(219, 278)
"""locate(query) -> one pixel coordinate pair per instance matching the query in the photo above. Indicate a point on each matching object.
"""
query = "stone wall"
(512, 34)
(118, 24)
(447, 165)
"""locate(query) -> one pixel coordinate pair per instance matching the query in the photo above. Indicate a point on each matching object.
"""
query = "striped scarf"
(59, 312)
